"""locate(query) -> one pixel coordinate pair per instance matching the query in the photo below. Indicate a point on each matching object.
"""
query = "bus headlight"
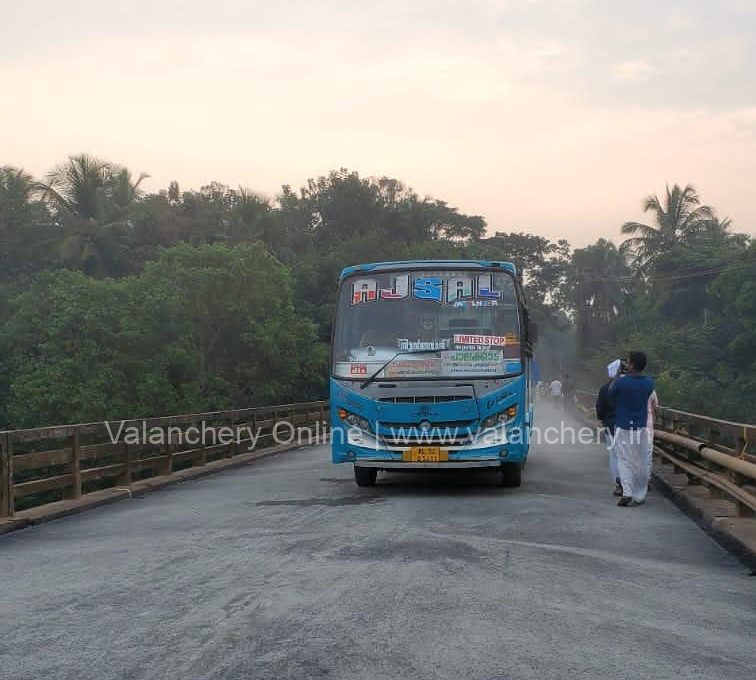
(499, 418)
(354, 420)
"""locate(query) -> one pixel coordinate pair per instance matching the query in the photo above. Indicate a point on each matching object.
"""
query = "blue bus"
(430, 368)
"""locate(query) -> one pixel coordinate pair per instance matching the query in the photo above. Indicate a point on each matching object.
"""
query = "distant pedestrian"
(555, 390)
(605, 412)
(631, 393)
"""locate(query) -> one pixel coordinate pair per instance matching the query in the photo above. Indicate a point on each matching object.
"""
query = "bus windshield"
(458, 323)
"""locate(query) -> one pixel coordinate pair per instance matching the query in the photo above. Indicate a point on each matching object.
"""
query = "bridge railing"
(43, 465)
(716, 456)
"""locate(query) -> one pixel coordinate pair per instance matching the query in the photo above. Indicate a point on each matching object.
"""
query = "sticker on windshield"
(364, 290)
(476, 362)
(476, 290)
(358, 369)
(463, 304)
(481, 340)
(399, 291)
(407, 345)
(404, 368)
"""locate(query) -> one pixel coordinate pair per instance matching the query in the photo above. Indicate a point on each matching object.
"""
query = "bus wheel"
(365, 476)
(511, 474)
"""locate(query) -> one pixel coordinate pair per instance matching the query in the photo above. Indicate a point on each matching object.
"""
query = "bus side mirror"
(532, 332)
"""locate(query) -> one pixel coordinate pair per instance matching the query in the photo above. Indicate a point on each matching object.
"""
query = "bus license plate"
(425, 454)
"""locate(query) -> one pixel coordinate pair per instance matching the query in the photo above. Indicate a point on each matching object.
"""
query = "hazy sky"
(555, 117)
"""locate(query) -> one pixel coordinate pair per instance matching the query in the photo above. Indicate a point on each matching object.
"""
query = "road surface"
(285, 569)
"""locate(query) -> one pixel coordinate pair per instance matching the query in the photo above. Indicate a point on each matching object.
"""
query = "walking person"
(555, 390)
(631, 393)
(539, 390)
(605, 412)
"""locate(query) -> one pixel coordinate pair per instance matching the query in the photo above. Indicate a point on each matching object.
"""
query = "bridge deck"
(285, 569)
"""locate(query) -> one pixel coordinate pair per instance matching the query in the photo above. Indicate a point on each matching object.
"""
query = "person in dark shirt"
(631, 393)
(605, 412)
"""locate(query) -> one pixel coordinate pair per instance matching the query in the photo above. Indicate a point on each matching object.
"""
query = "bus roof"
(427, 264)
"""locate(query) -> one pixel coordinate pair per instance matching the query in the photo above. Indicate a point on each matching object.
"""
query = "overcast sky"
(555, 117)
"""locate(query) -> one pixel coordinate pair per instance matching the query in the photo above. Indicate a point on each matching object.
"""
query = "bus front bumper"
(457, 458)
(407, 465)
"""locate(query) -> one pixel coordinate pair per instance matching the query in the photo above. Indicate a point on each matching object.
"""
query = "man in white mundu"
(631, 394)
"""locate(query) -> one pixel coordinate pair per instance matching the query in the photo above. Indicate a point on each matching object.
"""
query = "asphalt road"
(285, 569)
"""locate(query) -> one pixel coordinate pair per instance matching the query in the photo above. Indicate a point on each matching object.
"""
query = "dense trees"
(117, 303)
(688, 304)
(200, 328)
(600, 286)
(25, 225)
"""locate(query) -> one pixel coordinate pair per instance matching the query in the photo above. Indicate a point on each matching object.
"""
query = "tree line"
(116, 302)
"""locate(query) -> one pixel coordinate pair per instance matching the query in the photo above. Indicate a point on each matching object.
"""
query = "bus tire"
(365, 476)
(511, 474)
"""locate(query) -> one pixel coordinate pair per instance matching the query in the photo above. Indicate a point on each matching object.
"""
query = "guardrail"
(707, 455)
(48, 464)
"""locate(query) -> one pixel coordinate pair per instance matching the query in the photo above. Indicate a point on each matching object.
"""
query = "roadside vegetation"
(115, 302)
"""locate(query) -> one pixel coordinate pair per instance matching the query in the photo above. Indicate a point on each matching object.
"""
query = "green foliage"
(25, 225)
(115, 303)
(202, 328)
(600, 287)
(695, 317)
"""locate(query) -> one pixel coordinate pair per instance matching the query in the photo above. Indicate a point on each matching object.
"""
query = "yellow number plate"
(425, 454)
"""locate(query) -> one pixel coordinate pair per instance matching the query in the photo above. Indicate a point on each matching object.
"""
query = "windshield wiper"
(365, 383)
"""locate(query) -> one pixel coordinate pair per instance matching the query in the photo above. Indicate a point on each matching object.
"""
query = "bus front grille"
(456, 433)
(425, 399)
(460, 426)
(442, 440)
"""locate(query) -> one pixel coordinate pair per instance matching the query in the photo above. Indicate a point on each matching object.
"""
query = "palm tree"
(715, 231)
(78, 188)
(678, 219)
(15, 196)
(90, 198)
(25, 229)
(250, 218)
(124, 191)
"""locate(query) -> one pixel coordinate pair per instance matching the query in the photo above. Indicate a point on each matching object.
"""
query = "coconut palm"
(125, 191)
(78, 188)
(250, 218)
(90, 198)
(25, 231)
(678, 218)
(15, 197)
(15, 194)
(715, 231)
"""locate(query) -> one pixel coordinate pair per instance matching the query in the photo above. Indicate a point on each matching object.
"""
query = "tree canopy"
(115, 302)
